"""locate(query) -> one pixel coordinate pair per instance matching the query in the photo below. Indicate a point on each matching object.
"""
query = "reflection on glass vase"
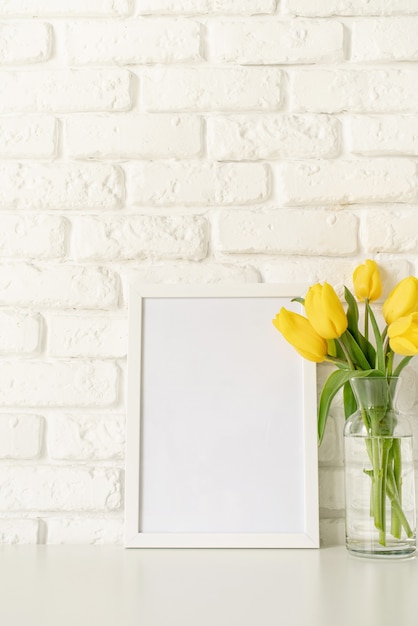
(379, 473)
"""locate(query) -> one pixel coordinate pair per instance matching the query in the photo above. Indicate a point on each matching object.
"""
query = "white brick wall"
(60, 185)
(65, 90)
(210, 88)
(385, 39)
(179, 141)
(202, 7)
(354, 90)
(34, 136)
(132, 42)
(143, 136)
(252, 137)
(270, 42)
(66, 8)
(24, 43)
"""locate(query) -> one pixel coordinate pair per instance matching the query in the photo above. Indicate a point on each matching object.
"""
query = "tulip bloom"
(402, 300)
(298, 331)
(367, 282)
(403, 335)
(325, 311)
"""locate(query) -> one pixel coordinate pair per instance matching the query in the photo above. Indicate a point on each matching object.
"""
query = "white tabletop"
(111, 586)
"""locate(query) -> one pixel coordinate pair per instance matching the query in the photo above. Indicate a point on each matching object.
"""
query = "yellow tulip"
(402, 300)
(298, 331)
(367, 282)
(325, 311)
(403, 335)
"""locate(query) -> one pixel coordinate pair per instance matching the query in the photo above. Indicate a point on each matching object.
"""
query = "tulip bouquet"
(331, 332)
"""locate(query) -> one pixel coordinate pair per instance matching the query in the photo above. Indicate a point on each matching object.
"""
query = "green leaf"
(298, 299)
(356, 352)
(339, 352)
(401, 365)
(350, 402)
(367, 349)
(333, 384)
(352, 313)
(353, 320)
(380, 356)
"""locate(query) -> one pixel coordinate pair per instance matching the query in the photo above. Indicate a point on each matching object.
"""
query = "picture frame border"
(134, 538)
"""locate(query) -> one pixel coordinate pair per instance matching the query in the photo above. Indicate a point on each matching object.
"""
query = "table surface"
(112, 586)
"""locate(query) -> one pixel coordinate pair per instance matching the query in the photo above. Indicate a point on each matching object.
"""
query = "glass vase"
(379, 473)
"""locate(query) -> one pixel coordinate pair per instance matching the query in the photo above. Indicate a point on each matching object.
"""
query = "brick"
(25, 137)
(87, 335)
(280, 232)
(95, 531)
(385, 39)
(330, 450)
(20, 333)
(206, 7)
(86, 438)
(391, 230)
(407, 397)
(355, 90)
(58, 383)
(275, 41)
(331, 182)
(196, 183)
(43, 488)
(60, 186)
(20, 436)
(129, 135)
(65, 90)
(19, 531)
(24, 43)
(35, 237)
(58, 286)
(331, 488)
(211, 88)
(349, 7)
(309, 270)
(269, 136)
(140, 237)
(383, 135)
(134, 41)
(65, 8)
(332, 532)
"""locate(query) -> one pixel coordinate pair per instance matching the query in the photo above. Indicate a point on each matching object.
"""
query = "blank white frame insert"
(221, 425)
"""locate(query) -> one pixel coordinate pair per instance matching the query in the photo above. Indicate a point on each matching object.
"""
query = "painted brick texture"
(190, 142)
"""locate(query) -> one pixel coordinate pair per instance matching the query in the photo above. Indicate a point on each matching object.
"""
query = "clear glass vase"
(379, 473)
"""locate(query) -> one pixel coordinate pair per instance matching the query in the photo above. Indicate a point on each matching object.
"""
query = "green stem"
(383, 473)
(401, 365)
(389, 361)
(376, 484)
(366, 320)
(397, 508)
(380, 360)
(346, 352)
(335, 360)
(386, 482)
(396, 481)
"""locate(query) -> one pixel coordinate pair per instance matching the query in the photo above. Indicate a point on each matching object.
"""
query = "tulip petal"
(325, 311)
(403, 335)
(401, 345)
(367, 282)
(402, 300)
(298, 331)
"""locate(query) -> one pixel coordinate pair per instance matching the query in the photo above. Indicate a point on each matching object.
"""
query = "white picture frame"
(221, 424)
